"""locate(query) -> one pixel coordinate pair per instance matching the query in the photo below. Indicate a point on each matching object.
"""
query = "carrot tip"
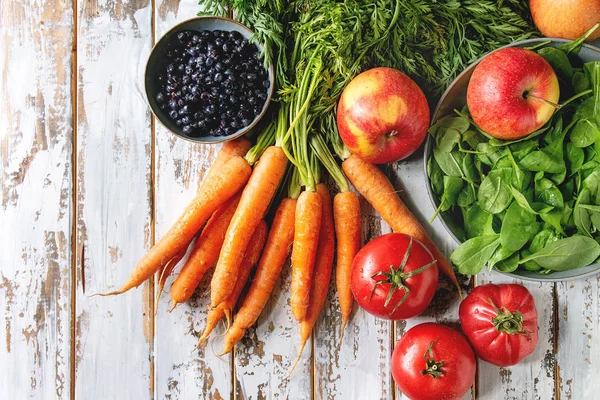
(173, 306)
(343, 329)
(120, 291)
(296, 362)
(228, 316)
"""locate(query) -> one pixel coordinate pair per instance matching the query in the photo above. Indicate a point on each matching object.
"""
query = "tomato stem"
(432, 368)
(397, 279)
(508, 322)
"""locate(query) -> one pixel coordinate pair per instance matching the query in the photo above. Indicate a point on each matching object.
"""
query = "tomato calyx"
(432, 368)
(397, 279)
(508, 322)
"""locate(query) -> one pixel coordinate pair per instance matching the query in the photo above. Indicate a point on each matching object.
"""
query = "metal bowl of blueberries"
(206, 82)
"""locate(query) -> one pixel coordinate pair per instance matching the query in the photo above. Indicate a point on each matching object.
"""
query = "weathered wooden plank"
(578, 356)
(36, 39)
(114, 335)
(265, 355)
(180, 167)
(409, 178)
(534, 377)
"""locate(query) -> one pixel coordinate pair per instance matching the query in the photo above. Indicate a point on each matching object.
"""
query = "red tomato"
(501, 323)
(433, 362)
(394, 276)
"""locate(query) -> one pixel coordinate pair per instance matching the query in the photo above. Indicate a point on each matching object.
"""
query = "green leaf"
(477, 222)
(518, 227)
(447, 139)
(584, 133)
(473, 138)
(565, 254)
(521, 149)
(467, 196)
(541, 161)
(435, 175)
(529, 265)
(471, 256)
(524, 203)
(454, 122)
(542, 239)
(548, 193)
(509, 264)
(559, 61)
(469, 170)
(450, 163)
(500, 254)
(494, 195)
(580, 82)
(452, 188)
(575, 158)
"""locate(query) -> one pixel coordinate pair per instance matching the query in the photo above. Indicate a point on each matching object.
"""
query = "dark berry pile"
(214, 84)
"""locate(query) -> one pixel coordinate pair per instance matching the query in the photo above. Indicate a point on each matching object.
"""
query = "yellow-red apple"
(567, 19)
(382, 116)
(512, 93)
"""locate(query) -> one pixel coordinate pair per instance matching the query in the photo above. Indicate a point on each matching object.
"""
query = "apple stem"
(392, 133)
(556, 106)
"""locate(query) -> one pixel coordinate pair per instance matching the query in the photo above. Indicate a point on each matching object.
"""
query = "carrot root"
(379, 192)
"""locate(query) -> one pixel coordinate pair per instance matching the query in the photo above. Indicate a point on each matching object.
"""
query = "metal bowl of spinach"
(528, 208)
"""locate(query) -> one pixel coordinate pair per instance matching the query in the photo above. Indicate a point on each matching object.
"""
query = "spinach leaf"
(584, 133)
(467, 196)
(518, 227)
(559, 61)
(541, 161)
(535, 208)
(568, 253)
(529, 265)
(521, 149)
(589, 194)
(471, 256)
(452, 188)
(542, 239)
(473, 138)
(547, 193)
(488, 154)
(580, 82)
(477, 222)
(436, 176)
(453, 122)
(509, 264)
(470, 173)
(532, 135)
(494, 195)
(450, 163)
(575, 158)
(500, 254)
(447, 139)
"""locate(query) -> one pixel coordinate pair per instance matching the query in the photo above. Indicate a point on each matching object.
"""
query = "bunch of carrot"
(228, 217)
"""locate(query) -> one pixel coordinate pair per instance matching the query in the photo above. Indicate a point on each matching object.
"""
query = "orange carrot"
(165, 272)
(346, 212)
(379, 192)
(306, 239)
(322, 273)
(236, 147)
(217, 190)
(251, 257)
(255, 200)
(276, 250)
(205, 253)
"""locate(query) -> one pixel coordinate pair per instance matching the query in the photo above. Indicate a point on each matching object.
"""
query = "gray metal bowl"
(157, 62)
(455, 97)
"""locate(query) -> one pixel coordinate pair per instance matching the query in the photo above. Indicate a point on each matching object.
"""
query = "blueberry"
(170, 67)
(219, 42)
(181, 36)
(194, 89)
(192, 51)
(195, 38)
(181, 67)
(235, 35)
(252, 101)
(173, 114)
(160, 98)
(200, 60)
(229, 113)
(227, 47)
(172, 104)
(186, 120)
(198, 115)
(209, 61)
(205, 96)
(219, 67)
(192, 61)
(233, 99)
(187, 129)
(218, 77)
(184, 110)
(208, 81)
(244, 122)
(266, 84)
(234, 123)
(201, 124)
(228, 91)
(210, 47)
(228, 72)
(209, 109)
(180, 102)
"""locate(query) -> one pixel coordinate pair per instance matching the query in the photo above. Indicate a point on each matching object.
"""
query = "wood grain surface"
(90, 180)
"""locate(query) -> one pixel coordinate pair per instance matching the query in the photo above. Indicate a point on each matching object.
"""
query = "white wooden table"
(89, 181)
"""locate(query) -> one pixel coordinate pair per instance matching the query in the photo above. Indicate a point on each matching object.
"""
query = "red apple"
(382, 116)
(511, 93)
(567, 19)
